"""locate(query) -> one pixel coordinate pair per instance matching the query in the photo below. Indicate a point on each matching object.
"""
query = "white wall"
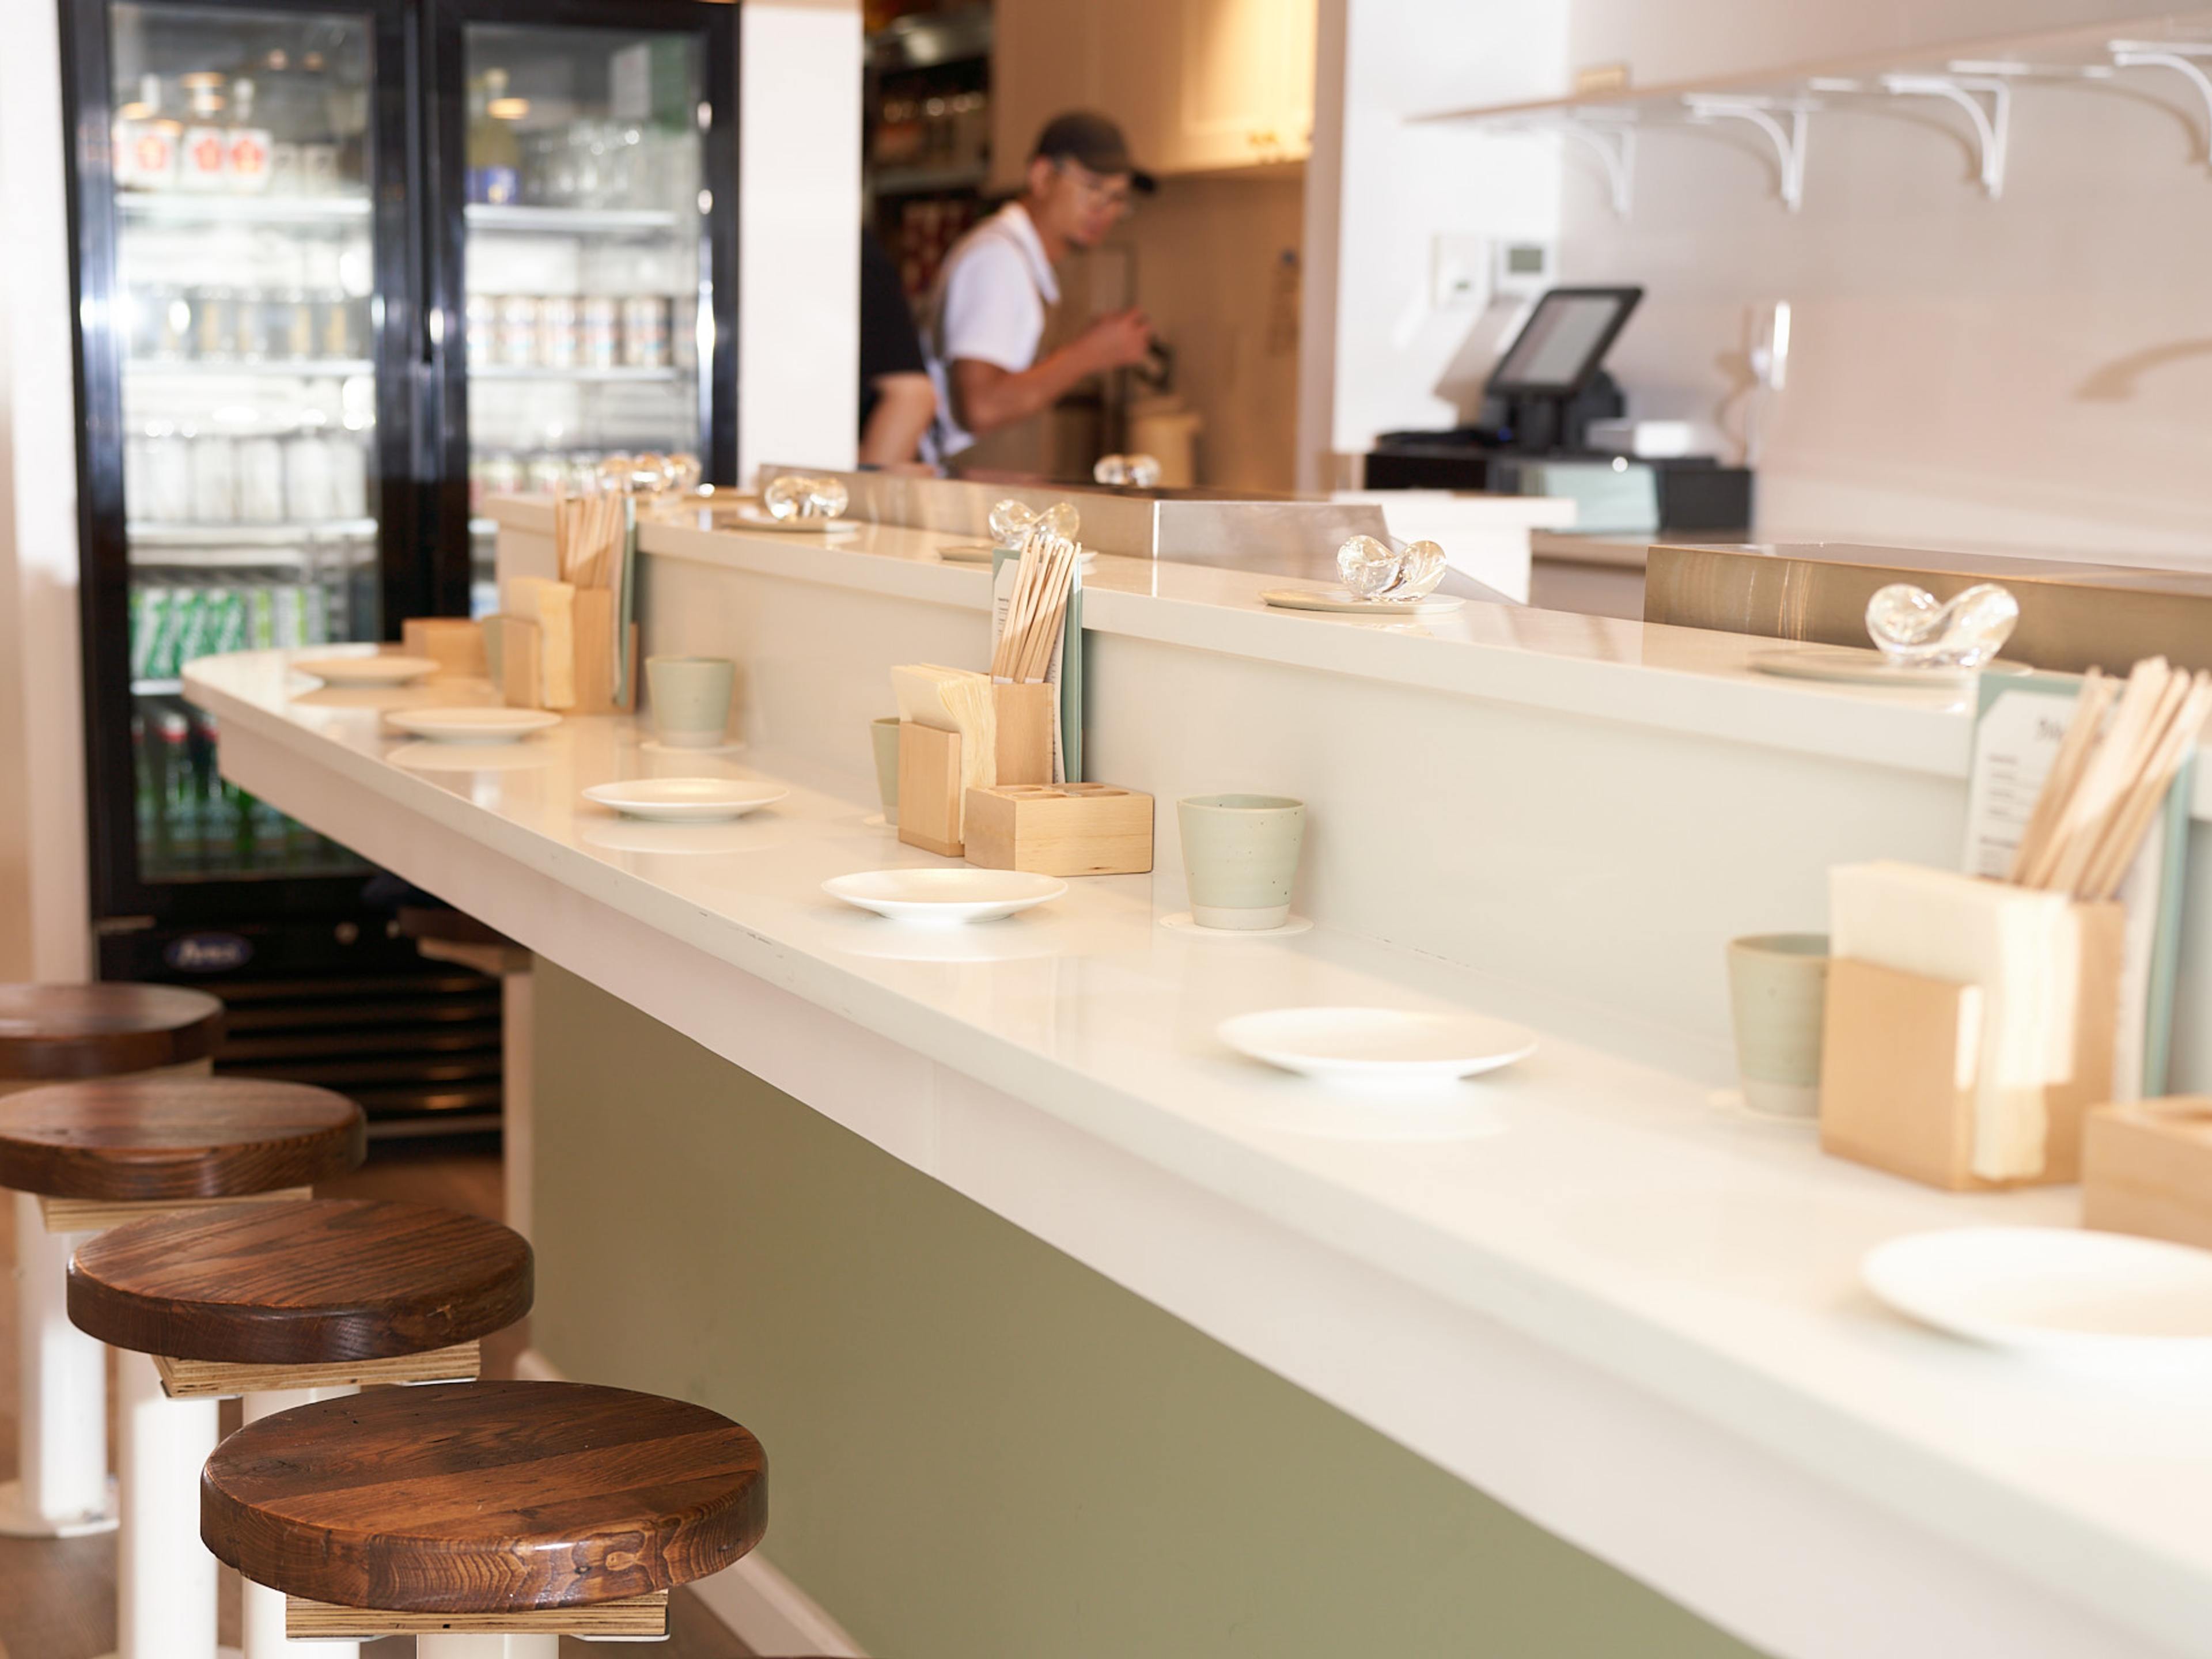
(2035, 371)
(1380, 355)
(799, 255)
(44, 905)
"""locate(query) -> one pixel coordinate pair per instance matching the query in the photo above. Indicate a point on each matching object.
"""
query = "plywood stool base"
(639, 1618)
(217, 1379)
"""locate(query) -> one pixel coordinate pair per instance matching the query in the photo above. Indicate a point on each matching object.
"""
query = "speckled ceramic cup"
(690, 700)
(1239, 854)
(1778, 989)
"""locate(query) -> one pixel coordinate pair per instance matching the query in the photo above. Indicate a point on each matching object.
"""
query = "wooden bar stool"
(49, 1034)
(99, 1154)
(284, 1303)
(486, 1519)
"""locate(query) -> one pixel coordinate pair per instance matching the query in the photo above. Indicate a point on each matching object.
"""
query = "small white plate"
(685, 800)
(367, 671)
(489, 724)
(759, 518)
(2109, 1300)
(945, 895)
(1335, 598)
(1379, 1045)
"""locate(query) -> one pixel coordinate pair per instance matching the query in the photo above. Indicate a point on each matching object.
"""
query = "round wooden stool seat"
(484, 1497)
(128, 1140)
(48, 1032)
(299, 1283)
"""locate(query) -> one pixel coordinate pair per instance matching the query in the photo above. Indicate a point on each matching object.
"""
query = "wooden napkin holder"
(1900, 1063)
(454, 643)
(1059, 830)
(1025, 715)
(522, 663)
(929, 807)
(2147, 1169)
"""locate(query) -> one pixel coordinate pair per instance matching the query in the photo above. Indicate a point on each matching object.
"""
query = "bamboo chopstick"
(2096, 696)
(2117, 848)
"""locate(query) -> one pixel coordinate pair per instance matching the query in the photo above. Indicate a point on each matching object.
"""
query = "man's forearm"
(1001, 398)
(904, 406)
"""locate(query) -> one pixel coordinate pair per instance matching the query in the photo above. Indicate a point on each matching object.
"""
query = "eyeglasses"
(1098, 185)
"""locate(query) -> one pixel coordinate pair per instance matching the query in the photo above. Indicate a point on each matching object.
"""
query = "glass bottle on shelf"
(495, 156)
(146, 140)
(247, 162)
(204, 163)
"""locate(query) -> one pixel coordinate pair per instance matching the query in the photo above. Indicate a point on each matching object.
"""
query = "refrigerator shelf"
(304, 368)
(573, 376)
(145, 534)
(577, 221)
(179, 208)
(156, 688)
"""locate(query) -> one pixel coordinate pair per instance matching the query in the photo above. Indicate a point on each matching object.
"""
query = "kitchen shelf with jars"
(927, 143)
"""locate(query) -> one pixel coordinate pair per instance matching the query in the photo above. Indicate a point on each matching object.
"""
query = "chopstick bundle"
(2121, 752)
(1038, 607)
(588, 532)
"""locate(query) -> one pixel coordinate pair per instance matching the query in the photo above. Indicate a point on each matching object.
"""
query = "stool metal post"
(487, 1647)
(62, 1490)
(262, 1624)
(165, 1580)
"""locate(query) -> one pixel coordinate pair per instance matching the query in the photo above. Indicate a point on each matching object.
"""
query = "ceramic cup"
(1778, 988)
(887, 734)
(1241, 854)
(690, 699)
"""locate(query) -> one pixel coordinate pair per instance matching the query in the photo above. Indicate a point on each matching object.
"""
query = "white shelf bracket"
(2135, 54)
(1613, 144)
(1992, 125)
(1788, 143)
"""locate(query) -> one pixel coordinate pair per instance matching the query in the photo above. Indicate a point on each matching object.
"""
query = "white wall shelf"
(1975, 77)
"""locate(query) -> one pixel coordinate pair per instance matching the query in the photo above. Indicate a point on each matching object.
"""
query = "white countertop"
(1617, 1216)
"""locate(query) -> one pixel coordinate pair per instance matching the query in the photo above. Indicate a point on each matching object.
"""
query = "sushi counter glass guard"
(342, 267)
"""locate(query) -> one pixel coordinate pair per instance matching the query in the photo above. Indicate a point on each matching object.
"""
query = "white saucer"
(489, 724)
(2110, 1301)
(1853, 665)
(1335, 598)
(1183, 922)
(367, 671)
(1379, 1045)
(685, 800)
(758, 517)
(940, 897)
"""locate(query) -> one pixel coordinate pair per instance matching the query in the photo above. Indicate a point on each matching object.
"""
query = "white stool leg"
(62, 1381)
(165, 1579)
(264, 1608)
(487, 1647)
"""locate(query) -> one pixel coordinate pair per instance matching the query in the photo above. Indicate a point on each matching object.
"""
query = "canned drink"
(545, 474)
(260, 481)
(148, 607)
(260, 617)
(214, 332)
(482, 330)
(214, 480)
(602, 332)
(286, 165)
(560, 331)
(318, 169)
(334, 320)
(309, 494)
(645, 331)
(168, 498)
(298, 314)
(518, 330)
(348, 476)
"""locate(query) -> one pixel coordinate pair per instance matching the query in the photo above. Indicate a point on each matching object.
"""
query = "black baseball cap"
(1085, 136)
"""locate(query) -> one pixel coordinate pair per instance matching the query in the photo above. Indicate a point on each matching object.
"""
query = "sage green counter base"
(978, 1448)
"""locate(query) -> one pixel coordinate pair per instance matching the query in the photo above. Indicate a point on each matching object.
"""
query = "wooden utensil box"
(2147, 1169)
(929, 789)
(1900, 1057)
(522, 663)
(1025, 715)
(454, 643)
(1060, 830)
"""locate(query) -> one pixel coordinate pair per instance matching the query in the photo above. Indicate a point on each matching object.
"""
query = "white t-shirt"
(989, 305)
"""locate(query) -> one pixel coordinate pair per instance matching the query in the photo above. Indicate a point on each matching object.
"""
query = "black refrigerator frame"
(417, 145)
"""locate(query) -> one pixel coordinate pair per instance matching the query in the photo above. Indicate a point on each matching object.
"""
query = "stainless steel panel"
(2072, 616)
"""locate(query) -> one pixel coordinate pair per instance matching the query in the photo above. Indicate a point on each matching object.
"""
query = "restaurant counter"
(1589, 1286)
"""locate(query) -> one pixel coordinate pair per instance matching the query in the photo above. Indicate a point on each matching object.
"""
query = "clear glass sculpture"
(1372, 570)
(1421, 568)
(1012, 521)
(795, 496)
(1911, 630)
(1135, 471)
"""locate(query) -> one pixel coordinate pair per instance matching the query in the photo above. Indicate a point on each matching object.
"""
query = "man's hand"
(1117, 340)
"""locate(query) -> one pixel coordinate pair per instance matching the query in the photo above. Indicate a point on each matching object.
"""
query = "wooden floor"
(58, 1600)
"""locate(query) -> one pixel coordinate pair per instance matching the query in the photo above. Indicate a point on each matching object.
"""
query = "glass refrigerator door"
(588, 308)
(241, 315)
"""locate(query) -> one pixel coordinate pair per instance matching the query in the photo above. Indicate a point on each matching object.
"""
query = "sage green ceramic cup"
(1779, 989)
(1239, 854)
(887, 734)
(690, 700)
